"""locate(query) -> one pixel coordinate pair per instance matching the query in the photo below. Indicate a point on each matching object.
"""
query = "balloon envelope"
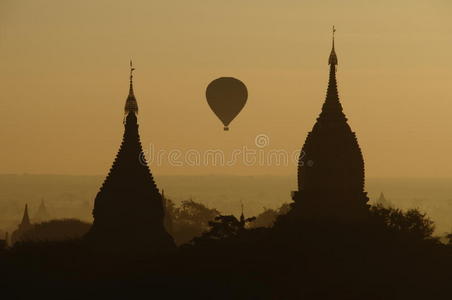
(226, 97)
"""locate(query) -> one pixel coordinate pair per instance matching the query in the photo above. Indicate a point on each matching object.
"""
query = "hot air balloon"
(226, 97)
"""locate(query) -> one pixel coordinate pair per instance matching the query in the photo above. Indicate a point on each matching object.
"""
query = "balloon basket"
(226, 128)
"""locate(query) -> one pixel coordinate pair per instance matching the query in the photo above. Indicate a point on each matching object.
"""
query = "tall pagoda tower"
(331, 167)
(128, 209)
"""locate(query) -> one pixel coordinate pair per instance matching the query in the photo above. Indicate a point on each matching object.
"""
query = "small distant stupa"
(331, 167)
(383, 201)
(23, 227)
(128, 209)
(42, 214)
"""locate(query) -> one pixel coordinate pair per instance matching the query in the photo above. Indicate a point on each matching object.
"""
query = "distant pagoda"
(383, 201)
(42, 215)
(23, 227)
(331, 167)
(128, 209)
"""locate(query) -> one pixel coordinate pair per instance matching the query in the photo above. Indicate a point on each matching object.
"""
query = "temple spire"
(332, 108)
(131, 78)
(131, 102)
(42, 214)
(23, 227)
(332, 185)
(332, 60)
(242, 216)
(128, 203)
(25, 218)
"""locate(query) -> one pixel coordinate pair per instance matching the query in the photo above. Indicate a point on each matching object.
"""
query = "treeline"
(191, 219)
(184, 222)
(392, 254)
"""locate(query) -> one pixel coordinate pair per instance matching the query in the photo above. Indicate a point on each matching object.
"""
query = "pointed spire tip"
(332, 60)
(131, 102)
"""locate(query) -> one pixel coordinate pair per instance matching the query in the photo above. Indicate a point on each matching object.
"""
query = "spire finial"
(131, 102)
(334, 30)
(131, 78)
(131, 70)
(333, 58)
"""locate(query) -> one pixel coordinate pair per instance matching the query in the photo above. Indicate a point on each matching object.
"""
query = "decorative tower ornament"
(332, 60)
(131, 103)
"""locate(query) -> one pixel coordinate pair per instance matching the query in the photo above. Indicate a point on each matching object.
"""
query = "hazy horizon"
(73, 195)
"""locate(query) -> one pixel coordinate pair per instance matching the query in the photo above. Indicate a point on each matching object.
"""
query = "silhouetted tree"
(449, 239)
(189, 220)
(411, 223)
(168, 220)
(268, 217)
(224, 227)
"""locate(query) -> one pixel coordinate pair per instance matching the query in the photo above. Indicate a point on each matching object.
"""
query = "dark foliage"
(224, 227)
(412, 223)
(268, 217)
(57, 230)
(390, 256)
(189, 220)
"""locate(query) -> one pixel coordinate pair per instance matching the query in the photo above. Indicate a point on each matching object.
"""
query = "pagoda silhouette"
(383, 201)
(128, 209)
(331, 165)
(24, 226)
(42, 214)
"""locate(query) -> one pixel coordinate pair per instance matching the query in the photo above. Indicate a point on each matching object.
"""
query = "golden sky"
(64, 80)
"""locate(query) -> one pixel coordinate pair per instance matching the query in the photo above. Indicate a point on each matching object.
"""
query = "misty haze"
(71, 196)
